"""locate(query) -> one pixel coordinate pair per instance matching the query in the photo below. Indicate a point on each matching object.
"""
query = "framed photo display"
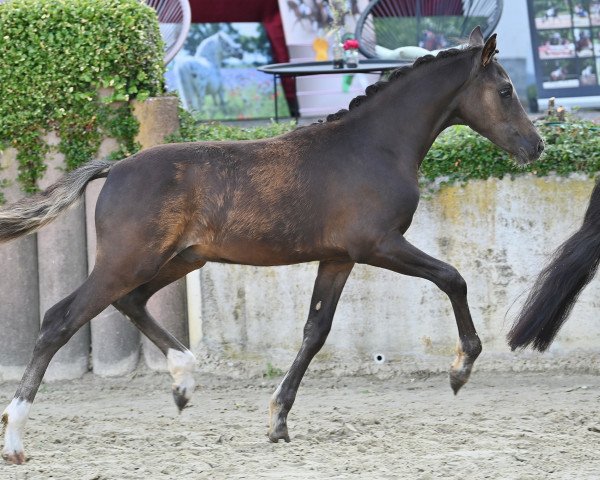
(565, 35)
(215, 73)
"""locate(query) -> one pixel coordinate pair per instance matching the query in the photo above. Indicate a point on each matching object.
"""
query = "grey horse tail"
(558, 286)
(29, 214)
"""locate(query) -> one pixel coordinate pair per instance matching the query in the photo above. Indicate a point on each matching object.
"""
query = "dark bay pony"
(558, 286)
(340, 192)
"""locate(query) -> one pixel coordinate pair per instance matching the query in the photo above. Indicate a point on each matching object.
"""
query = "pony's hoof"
(460, 371)
(457, 380)
(281, 434)
(14, 458)
(278, 429)
(181, 400)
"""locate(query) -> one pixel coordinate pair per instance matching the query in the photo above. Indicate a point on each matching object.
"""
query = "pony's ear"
(476, 37)
(489, 50)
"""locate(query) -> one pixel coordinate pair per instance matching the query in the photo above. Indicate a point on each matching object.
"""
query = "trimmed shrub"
(460, 154)
(192, 131)
(56, 55)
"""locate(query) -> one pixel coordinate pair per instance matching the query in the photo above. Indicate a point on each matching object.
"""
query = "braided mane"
(394, 76)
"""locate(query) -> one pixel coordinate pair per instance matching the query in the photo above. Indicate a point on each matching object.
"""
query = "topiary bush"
(56, 55)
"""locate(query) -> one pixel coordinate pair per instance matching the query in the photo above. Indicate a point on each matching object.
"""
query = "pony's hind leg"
(394, 252)
(180, 361)
(53, 330)
(111, 278)
(328, 287)
(59, 325)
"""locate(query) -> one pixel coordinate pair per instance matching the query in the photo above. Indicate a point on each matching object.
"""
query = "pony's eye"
(506, 92)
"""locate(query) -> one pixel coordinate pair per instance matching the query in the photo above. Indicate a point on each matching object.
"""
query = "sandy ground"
(522, 425)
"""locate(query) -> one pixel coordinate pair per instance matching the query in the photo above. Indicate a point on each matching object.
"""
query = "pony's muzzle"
(540, 147)
(531, 150)
(537, 150)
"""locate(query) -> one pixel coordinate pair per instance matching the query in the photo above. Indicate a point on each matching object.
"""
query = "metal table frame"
(279, 70)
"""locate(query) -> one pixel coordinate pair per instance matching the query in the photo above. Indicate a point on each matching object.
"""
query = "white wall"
(514, 39)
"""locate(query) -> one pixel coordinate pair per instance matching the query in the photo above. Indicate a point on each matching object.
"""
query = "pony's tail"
(31, 213)
(558, 286)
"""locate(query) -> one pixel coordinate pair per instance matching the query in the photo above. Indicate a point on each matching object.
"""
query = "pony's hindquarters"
(560, 283)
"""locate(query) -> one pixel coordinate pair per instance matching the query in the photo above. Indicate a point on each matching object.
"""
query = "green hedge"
(192, 131)
(56, 54)
(459, 154)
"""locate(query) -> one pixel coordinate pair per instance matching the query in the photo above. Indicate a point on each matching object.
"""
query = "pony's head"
(489, 104)
(230, 47)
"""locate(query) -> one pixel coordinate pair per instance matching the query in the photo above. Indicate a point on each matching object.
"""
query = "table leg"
(275, 98)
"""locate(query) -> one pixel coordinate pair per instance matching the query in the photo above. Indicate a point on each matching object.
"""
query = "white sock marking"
(182, 366)
(16, 413)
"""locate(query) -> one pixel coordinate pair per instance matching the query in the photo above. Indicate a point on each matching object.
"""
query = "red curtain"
(264, 11)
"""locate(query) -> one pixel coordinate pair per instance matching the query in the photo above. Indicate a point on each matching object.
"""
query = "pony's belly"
(260, 254)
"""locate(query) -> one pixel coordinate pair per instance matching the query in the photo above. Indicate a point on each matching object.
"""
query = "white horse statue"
(200, 74)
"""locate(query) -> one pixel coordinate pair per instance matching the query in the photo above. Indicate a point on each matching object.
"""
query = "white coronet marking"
(275, 407)
(318, 306)
(181, 367)
(15, 416)
(460, 357)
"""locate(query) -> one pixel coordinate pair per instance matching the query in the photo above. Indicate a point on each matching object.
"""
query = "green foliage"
(246, 99)
(272, 371)
(460, 154)
(56, 55)
(190, 131)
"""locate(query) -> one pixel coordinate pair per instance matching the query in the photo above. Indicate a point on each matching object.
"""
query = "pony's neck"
(209, 49)
(407, 116)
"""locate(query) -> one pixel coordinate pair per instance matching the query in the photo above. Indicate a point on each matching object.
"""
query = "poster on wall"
(305, 20)
(566, 46)
(215, 73)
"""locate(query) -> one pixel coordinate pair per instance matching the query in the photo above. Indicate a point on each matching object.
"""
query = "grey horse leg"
(328, 287)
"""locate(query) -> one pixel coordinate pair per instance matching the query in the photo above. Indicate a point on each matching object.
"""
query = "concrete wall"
(498, 233)
(514, 39)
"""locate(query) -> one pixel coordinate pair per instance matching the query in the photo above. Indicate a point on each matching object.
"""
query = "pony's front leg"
(328, 287)
(394, 252)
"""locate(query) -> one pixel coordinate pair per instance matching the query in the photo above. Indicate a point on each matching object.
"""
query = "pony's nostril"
(540, 147)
